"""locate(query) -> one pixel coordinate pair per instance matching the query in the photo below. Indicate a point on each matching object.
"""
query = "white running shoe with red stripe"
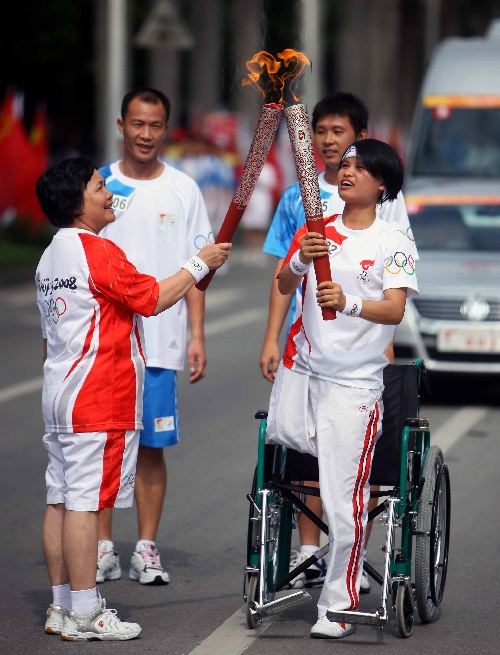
(326, 629)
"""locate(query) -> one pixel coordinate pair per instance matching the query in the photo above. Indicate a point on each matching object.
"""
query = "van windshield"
(456, 227)
(459, 142)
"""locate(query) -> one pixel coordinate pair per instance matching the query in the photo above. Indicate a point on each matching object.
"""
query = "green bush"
(22, 244)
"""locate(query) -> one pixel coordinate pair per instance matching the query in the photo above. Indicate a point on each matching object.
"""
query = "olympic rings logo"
(54, 309)
(195, 265)
(200, 240)
(400, 262)
(129, 481)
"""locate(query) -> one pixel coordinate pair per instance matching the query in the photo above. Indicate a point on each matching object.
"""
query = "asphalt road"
(203, 533)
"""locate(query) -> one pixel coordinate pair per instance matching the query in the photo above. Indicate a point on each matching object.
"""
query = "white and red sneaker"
(101, 624)
(326, 629)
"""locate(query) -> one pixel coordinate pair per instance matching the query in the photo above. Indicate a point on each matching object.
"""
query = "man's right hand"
(215, 254)
(269, 360)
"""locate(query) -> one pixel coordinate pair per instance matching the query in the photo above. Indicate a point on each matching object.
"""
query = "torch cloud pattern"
(299, 131)
(262, 141)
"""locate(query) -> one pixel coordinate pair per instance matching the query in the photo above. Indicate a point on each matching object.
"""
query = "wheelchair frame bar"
(299, 488)
(287, 492)
(264, 493)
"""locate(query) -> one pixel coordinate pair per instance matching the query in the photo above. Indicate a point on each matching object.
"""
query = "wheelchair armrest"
(262, 413)
(417, 422)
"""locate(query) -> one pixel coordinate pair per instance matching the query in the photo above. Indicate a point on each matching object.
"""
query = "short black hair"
(342, 104)
(381, 161)
(61, 188)
(146, 94)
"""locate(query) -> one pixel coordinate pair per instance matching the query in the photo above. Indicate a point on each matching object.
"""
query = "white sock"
(107, 545)
(144, 543)
(85, 601)
(61, 596)
(309, 548)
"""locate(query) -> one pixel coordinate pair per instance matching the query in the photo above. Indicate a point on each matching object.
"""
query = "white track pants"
(340, 426)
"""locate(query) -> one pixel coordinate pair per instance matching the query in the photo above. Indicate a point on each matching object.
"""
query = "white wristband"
(298, 267)
(353, 305)
(197, 268)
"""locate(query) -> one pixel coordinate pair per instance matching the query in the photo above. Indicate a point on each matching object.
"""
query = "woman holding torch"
(327, 396)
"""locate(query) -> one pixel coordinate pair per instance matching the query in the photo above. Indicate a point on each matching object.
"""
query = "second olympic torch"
(263, 138)
(297, 122)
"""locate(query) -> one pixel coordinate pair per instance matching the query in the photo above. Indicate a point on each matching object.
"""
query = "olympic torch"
(297, 122)
(263, 138)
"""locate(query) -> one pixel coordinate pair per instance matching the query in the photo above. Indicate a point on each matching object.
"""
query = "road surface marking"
(20, 389)
(238, 319)
(216, 298)
(232, 637)
(456, 426)
(211, 328)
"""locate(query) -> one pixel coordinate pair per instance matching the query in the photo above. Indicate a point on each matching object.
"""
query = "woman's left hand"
(330, 294)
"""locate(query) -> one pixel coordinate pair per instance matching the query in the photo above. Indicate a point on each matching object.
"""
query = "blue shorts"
(160, 416)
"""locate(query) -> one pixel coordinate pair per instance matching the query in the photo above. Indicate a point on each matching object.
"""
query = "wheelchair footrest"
(280, 604)
(358, 617)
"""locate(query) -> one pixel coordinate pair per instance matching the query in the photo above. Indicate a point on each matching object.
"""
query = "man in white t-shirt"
(161, 221)
(337, 121)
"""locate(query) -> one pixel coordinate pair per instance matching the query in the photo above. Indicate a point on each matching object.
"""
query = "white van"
(452, 193)
(456, 128)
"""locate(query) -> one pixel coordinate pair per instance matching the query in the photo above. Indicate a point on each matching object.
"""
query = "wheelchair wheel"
(404, 609)
(432, 527)
(440, 535)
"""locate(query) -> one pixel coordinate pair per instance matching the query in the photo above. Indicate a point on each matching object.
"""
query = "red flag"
(20, 166)
(13, 139)
(36, 163)
(39, 137)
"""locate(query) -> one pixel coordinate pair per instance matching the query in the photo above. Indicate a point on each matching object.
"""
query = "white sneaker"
(108, 564)
(101, 624)
(55, 619)
(365, 584)
(326, 629)
(314, 576)
(145, 567)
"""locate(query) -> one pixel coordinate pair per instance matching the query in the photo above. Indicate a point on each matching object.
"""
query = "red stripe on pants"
(111, 468)
(358, 506)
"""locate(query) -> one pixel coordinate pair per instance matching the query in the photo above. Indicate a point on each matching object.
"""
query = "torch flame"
(263, 65)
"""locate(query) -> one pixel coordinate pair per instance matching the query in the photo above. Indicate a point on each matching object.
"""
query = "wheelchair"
(414, 506)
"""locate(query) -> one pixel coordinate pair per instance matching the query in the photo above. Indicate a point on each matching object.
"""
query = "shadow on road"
(462, 390)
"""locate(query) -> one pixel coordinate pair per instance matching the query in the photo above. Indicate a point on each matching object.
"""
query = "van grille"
(449, 310)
